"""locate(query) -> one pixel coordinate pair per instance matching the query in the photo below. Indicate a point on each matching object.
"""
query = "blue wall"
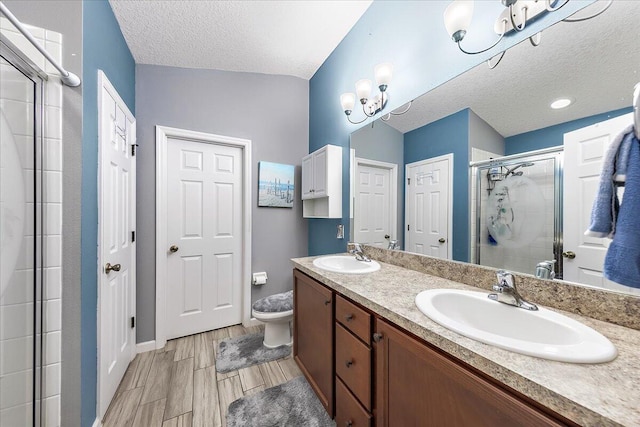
(104, 48)
(448, 135)
(412, 36)
(553, 136)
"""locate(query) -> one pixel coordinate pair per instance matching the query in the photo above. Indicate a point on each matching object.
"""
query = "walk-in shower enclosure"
(518, 211)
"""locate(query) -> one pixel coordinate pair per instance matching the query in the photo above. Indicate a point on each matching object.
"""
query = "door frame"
(163, 133)
(103, 82)
(449, 158)
(393, 190)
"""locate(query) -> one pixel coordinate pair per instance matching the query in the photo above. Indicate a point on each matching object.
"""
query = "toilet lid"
(275, 303)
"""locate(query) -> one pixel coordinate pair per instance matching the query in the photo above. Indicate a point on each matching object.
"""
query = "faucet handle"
(505, 278)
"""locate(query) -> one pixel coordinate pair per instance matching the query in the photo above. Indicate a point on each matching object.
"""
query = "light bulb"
(383, 73)
(347, 100)
(457, 18)
(363, 89)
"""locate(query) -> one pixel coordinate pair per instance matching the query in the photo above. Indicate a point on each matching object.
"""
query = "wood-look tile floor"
(178, 386)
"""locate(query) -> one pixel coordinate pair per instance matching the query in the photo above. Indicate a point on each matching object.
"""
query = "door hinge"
(408, 181)
(133, 236)
(408, 227)
(133, 149)
(133, 322)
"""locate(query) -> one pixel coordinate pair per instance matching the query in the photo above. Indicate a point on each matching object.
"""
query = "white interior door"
(204, 236)
(375, 219)
(116, 296)
(428, 207)
(585, 150)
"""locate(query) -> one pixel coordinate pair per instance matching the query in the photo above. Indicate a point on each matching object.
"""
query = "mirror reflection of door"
(375, 222)
(428, 207)
(585, 151)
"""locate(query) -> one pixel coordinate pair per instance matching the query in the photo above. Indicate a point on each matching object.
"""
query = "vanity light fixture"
(371, 106)
(561, 103)
(457, 18)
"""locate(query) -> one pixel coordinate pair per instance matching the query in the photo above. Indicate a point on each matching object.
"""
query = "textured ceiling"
(272, 37)
(595, 62)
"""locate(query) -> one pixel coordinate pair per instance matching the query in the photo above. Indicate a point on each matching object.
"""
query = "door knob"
(442, 240)
(569, 254)
(173, 249)
(108, 268)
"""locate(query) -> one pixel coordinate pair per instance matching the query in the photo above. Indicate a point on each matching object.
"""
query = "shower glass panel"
(20, 242)
(518, 208)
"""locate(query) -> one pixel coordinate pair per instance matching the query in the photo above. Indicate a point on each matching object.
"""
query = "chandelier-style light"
(371, 106)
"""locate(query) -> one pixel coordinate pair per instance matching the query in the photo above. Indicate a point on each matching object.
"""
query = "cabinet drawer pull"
(377, 337)
(327, 302)
(348, 363)
(349, 318)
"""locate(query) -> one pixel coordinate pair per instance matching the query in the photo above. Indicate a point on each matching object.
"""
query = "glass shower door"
(20, 245)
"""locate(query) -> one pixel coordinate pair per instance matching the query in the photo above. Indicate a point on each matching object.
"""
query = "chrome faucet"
(356, 250)
(393, 244)
(507, 293)
(544, 270)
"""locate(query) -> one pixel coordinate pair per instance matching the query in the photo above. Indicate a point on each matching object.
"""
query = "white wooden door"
(373, 207)
(320, 172)
(116, 296)
(204, 227)
(585, 150)
(427, 207)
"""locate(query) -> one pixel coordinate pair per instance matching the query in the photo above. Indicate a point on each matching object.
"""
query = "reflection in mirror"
(534, 169)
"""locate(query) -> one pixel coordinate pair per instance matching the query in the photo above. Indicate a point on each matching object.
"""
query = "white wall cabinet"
(322, 183)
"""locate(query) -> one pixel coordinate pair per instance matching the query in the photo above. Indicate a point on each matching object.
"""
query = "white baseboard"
(97, 423)
(143, 347)
(252, 322)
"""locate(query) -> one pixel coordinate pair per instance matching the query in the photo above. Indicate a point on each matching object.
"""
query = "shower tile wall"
(18, 303)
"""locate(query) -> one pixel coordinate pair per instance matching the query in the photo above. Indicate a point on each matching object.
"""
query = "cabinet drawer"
(353, 365)
(348, 411)
(354, 319)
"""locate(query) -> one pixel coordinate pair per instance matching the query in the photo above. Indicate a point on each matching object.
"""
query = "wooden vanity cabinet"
(313, 335)
(416, 385)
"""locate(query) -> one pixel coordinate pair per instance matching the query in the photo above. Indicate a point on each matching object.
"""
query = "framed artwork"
(275, 185)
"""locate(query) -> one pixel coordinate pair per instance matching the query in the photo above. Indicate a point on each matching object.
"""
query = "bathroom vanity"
(374, 359)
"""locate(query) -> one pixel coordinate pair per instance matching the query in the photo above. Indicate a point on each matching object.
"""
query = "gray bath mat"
(292, 404)
(246, 350)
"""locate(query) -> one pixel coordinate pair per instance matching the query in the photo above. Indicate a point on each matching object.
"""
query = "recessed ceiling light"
(561, 103)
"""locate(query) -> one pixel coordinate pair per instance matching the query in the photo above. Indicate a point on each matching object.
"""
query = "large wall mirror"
(483, 170)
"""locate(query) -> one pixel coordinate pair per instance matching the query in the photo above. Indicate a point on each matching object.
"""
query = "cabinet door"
(313, 335)
(320, 172)
(307, 177)
(417, 386)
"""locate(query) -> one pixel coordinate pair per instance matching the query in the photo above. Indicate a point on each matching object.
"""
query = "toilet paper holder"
(259, 278)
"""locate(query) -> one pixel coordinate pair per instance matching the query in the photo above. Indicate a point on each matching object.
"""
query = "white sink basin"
(345, 264)
(542, 333)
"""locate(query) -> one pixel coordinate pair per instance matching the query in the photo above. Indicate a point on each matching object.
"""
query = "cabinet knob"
(569, 254)
(327, 302)
(348, 363)
(377, 337)
(349, 318)
(349, 423)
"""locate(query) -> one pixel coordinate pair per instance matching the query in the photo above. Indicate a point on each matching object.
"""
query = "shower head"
(512, 171)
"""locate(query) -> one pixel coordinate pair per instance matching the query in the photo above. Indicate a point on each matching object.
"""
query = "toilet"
(276, 311)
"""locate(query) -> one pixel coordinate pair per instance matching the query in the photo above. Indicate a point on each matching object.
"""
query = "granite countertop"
(588, 394)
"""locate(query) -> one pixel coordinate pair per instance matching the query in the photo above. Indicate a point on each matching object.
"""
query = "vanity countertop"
(588, 394)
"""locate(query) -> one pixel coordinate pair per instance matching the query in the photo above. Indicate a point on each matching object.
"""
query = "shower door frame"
(552, 153)
(16, 58)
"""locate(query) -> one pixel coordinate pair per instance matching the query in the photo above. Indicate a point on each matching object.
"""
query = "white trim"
(97, 423)
(143, 347)
(448, 157)
(393, 195)
(163, 133)
(103, 82)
